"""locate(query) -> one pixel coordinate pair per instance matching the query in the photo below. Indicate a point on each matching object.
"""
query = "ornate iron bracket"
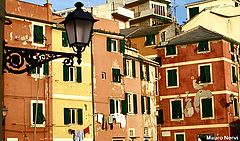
(20, 60)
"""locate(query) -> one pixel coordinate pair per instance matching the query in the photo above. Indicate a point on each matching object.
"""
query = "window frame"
(171, 55)
(44, 34)
(129, 68)
(233, 66)
(180, 133)
(43, 112)
(176, 68)
(202, 52)
(118, 76)
(39, 75)
(130, 103)
(211, 73)
(117, 107)
(201, 112)
(171, 100)
(155, 40)
(236, 115)
(112, 47)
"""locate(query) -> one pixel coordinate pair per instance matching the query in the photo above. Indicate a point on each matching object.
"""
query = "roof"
(196, 35)
(198, 2)
(143, 31)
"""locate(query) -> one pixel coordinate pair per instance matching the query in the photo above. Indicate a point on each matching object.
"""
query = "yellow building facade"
(72, 92)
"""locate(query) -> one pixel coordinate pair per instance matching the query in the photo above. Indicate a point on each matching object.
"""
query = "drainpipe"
(2, 20)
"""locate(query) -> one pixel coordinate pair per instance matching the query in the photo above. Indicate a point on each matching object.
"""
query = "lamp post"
(79, 28)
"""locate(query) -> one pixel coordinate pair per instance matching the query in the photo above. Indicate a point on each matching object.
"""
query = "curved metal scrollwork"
(21, 60)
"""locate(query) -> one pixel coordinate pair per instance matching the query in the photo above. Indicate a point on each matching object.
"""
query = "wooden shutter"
(116, 75)
(148, 106)
(142, 104)
(125, 66)
(147, 73)
(160, 117)
(46, 69)
(205, 75)
(236, 113)
(108, 44)
(234, 78)
(66, 116)
(176, 109)
(179, 137)
(172, 77)
(65, 73)
(133, 69)
(122, 46)
(207, 109)
(80, 116)
(79, 74)
(232, 46)
(141, 71)
(125, 105)
(32, 71)
(38, 34)
(135, 103)
(40, 117)
(64, 39)
(112, 106)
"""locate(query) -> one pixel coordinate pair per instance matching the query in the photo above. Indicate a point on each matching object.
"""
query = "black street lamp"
(79, 27)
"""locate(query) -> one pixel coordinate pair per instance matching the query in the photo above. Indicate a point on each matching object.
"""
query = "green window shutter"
(207, 109)
(122, 46)
(172, 77)
(133, 69)
(125, 66)
(116, 75)
(236, 113)
(232, 47)
(203, 46)
(148, 106)
(64, 39)
(40, 116)
(171, 50)
(193, 11)
(141, 71)
(234, 78)
(66, 116)
(46, 68)
(80, 116)
(38, 34)
(147, 73)
(125, 105)
(176, 109)
(205, 75)
(179, 137)
(112, 107)
(79, 74)
(142, 104)
(135, 103)
(160, 116)
(65, 73)
(108, 44)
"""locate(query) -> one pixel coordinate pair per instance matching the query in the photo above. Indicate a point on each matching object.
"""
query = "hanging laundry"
(110, 119)
(103, 123)
(123, 121)
(99, 118)
(118, 118)
(86, 130)
(106, 122)
(79, 135)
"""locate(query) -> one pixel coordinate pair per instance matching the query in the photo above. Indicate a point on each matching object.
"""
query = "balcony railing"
(151, 12)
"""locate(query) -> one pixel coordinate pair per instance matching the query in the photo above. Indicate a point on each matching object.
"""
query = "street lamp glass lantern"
(79, 26)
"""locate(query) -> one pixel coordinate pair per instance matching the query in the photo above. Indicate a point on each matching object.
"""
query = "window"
(179, 136)
(207, 107)
(193, 11)
(172, 77)
(171, 50)
(38, 34)
(232, 48)
(176, 109)
(205, 73)
(150, 40)
(64, 39)
(73, 116)
(145, 132)
(203, 46)
(73, 74)
(113, 45)
(115, 106)
(144, 72)
(129, 105)
(160, 116)
(104, 75)
(37, 112)
(233, 74)
(235, 104)
(163, 36)
(146, 105)
(116, 76)
(129, 68)
(40, 72)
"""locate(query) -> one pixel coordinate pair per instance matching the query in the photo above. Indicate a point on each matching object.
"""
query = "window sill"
(210, 83)
(207, 118)
(37, 76)
(203, 52)
(131, 114)
(151, 45)
(37, 125)
(38, 45)
(178, 120)
(172, 87)
(171, 56)
(235, 84)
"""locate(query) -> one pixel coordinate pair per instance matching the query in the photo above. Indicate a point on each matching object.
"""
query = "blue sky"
(61, 4)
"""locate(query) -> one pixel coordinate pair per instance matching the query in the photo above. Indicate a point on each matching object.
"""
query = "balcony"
(152, 12)
(122, 12)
